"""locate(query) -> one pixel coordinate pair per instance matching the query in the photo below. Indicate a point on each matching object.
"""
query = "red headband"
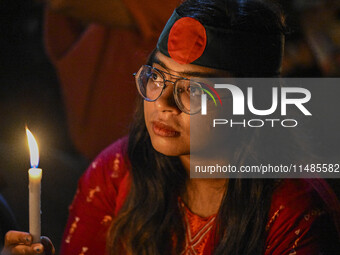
(187, 41)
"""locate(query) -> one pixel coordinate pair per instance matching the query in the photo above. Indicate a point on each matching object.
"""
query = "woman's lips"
(162, 129)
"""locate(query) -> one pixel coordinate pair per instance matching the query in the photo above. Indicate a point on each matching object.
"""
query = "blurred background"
(30, 94)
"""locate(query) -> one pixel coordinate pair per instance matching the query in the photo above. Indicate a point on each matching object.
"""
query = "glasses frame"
(175, 94)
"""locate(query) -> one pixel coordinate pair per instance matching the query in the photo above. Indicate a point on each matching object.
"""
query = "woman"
(137, 197)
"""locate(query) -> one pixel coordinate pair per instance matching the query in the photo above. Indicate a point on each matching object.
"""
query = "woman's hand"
(19, 243)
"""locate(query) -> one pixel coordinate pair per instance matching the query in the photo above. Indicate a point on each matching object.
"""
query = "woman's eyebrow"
(156, 60)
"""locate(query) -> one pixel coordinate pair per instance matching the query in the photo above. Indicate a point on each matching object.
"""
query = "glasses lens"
(149, 83)
(188, 96)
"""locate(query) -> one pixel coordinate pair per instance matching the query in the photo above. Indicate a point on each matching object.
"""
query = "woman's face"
(168, 126)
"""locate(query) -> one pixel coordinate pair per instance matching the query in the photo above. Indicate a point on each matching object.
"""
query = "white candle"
(34, 187)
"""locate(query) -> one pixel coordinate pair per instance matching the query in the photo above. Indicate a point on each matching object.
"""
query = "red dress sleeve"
(299, 223)
(101, 192)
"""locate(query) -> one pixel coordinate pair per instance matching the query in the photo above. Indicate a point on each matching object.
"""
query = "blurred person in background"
(321, 26)
(313, 44)
(95, 45)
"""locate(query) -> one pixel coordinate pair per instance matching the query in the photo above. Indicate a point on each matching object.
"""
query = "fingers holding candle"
(48, 245)
(29, 243)
(18, 243)
(16, 237)
(24, 249)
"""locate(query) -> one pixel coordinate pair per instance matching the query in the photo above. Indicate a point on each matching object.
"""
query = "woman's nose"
(166, 101)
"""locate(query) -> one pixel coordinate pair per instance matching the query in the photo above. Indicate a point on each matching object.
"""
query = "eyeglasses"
(151, 83)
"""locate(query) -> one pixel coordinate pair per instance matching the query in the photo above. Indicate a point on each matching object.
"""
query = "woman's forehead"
(186, 70)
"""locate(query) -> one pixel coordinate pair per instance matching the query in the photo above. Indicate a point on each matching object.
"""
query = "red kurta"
(294, 222)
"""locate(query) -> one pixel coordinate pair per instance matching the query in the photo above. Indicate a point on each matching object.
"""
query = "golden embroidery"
(106, 219)
(316, 212)
(296, 243)
(91, 194)
(307, 217)
(292, 252)
(74, 198)
(193, 241)
(311, 213)
(72, 229)
(94, 164)
(274, 217)
(115, 172)
(83, 250)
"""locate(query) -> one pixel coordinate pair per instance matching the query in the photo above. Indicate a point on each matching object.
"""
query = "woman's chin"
(170, 147)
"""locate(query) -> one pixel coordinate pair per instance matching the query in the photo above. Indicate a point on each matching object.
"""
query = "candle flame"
(33, 147)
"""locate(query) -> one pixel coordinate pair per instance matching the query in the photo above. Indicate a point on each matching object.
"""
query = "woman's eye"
(180, 90)
(154, 76)
(194, 91)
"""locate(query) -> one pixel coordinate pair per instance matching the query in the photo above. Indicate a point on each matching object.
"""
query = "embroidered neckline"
(198, 229)
(192, 214)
